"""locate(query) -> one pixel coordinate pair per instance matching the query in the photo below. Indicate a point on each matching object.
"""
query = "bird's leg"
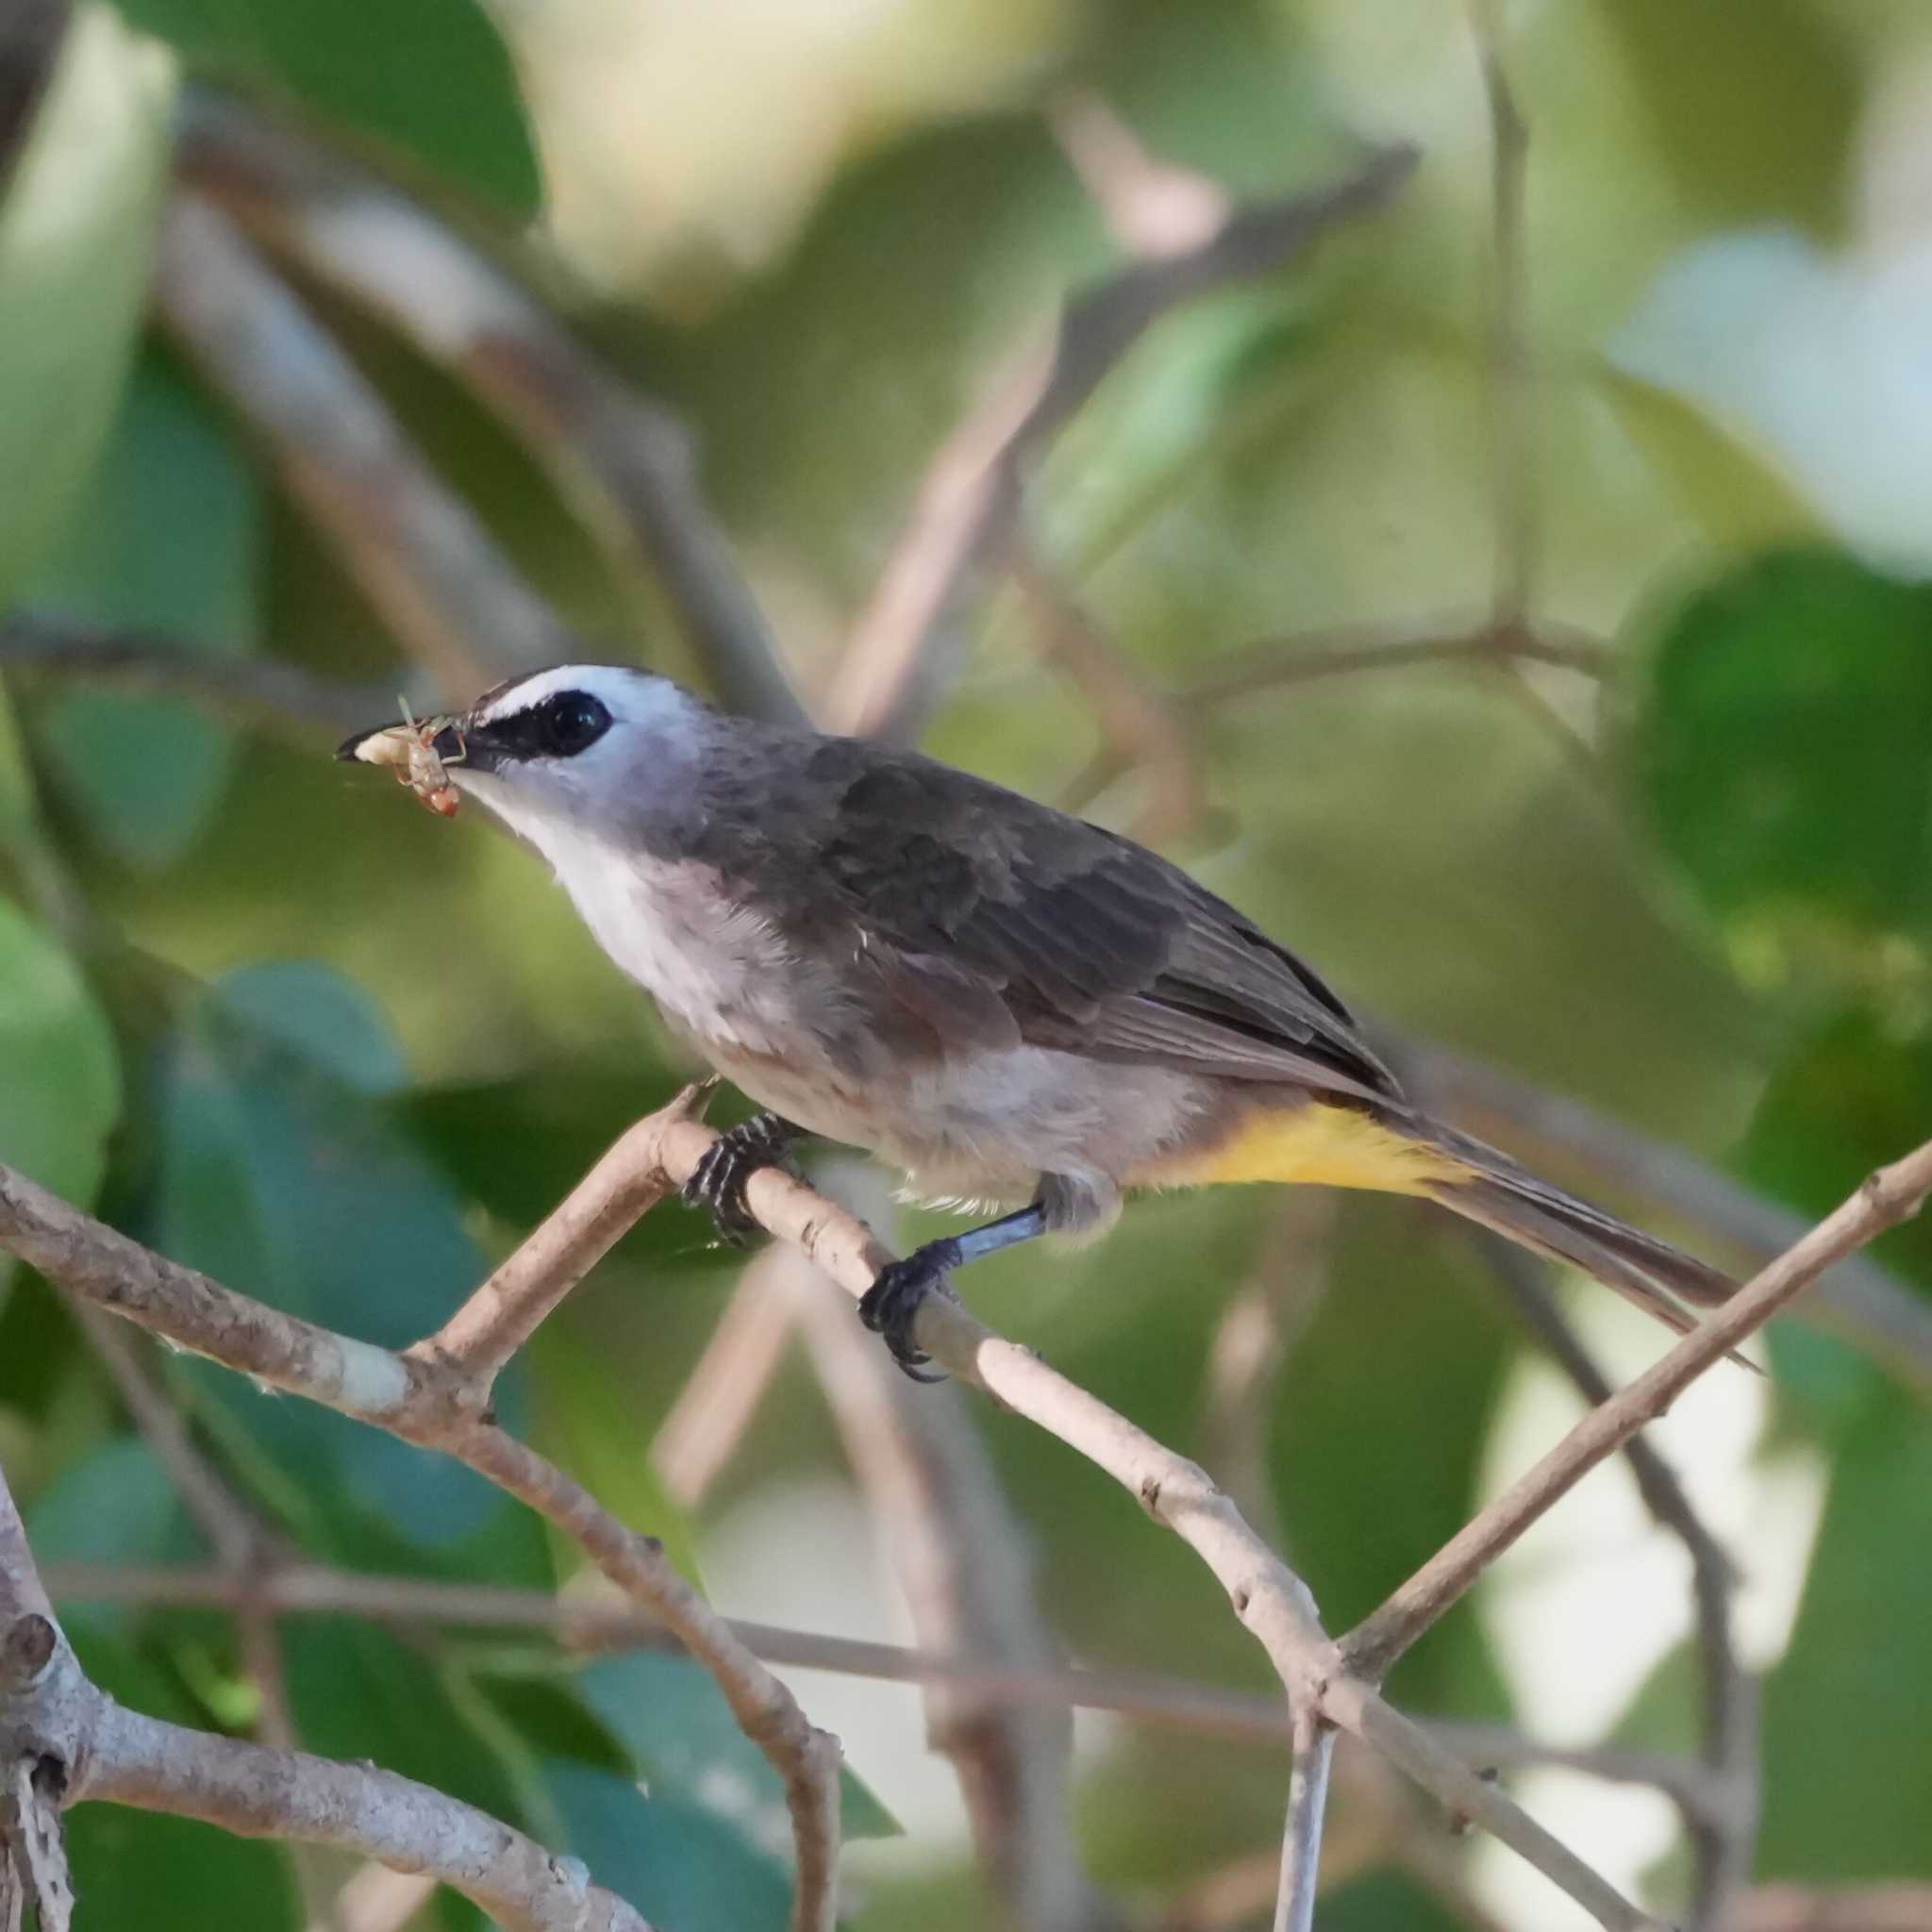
(893, 1299)
(718, 1181)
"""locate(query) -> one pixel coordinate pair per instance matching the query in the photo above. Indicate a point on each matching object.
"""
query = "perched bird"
(1008, 1003)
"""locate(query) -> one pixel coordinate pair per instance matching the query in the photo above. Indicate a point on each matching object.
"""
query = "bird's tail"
(1509, 1199)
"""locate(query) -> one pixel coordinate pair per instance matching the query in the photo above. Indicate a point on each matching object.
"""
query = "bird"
(1016, 1009)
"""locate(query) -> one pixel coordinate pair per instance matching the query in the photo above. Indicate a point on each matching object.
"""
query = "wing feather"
(1091, 941)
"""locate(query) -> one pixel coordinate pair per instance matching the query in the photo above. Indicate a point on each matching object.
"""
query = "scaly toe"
(891, 1304)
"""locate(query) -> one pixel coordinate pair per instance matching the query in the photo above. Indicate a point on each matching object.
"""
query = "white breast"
(715, 967)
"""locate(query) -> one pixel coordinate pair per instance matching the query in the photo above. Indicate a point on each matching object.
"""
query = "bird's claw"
(717, 1183)
(891, 1304)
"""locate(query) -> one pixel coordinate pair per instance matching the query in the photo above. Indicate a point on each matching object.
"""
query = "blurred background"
(1504, 578)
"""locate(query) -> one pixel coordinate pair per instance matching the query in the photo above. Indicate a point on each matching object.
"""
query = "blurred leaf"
(16, 778)
(672, 1718)
(1782, 744)
(279, 1178)
(1752, 106)
(518, 1147)
(1735, 494)
(549, 1716)
(356, 1691)
(1402, 1360)
(61, 1091)
(75, 239)
(321, 1018)
(590, 1422)
(676, 1862)
(166, 541)
(1848, 1782)
(116, 1507)
(172, 1875)
(1382, 1901)
(1849, 1098)
(430, 77)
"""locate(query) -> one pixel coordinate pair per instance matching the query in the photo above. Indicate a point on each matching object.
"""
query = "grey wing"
(1087, 941)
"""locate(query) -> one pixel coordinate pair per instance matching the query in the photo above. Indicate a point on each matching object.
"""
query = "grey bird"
(1008, 1004)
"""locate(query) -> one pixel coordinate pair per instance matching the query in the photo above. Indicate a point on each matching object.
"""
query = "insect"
(410, 750)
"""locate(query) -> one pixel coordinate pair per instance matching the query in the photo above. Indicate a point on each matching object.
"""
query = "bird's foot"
(897, 1294)
(718, 1182)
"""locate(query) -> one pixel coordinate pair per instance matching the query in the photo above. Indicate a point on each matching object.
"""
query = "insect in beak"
(410, 750)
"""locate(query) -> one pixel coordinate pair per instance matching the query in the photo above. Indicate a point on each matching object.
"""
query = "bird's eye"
(572, 722)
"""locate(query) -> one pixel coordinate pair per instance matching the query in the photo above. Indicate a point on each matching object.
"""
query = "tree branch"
(968, 506)
(419, 554)
(82, 1745)
(427, 1398)
(622, 459)
(303, 709)
(405, 1395)
(966, 1568)
(1862, 1301)
(1723, 1822)
(1892, 1195)
(1325, 1680)
(1301, 1848)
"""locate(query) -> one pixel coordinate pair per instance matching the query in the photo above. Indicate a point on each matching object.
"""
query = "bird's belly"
(980, 1127)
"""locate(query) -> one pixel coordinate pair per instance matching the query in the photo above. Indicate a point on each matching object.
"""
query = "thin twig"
(1137, 727)
(431, 1398)
(1278, 663)
(1286, 1286)
(1861, 1300)
(725, 1388)
(404, 1395)
(1512, 454)
(419, 554)
(1892, 1195)
(894, 668)
(622, 459)
(966, 1569)
(232, 1529)
(86, 1746)
(1301, 1848)
(1724, 1834)
(592, 1628)
(1906, 1906)
(1152, 207)
(304, 710)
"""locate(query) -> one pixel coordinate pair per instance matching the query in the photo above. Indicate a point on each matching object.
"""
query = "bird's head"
(580, 751)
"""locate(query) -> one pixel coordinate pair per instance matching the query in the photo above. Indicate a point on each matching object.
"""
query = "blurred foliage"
(342, 1056)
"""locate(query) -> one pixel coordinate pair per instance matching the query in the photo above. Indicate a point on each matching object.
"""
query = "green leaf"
(1753, 108)
(356, 1691)
(75, 239)
(678, 1863)
(589, 1421)
(279, 1177)
(167, 541)
(172, 1875)
(670, 1714)
(1734, 493)
(60, 1092)
(1849, 1097)
(1363, 1523)
(1848, 1783)
(1781, 746)
(431, 79)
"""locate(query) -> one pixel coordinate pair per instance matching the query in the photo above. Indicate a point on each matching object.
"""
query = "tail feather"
(1512, 1202)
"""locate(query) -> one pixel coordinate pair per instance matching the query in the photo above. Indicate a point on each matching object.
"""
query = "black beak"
(456, 745)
